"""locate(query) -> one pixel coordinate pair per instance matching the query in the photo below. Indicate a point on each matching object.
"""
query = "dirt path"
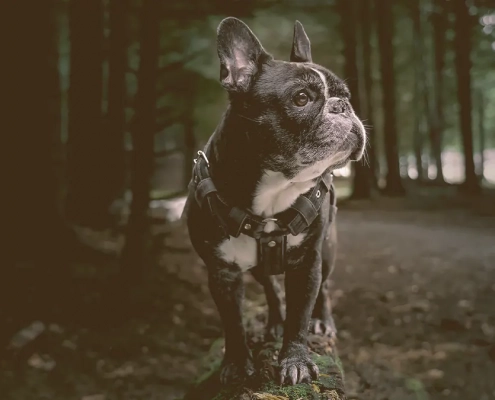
(414, 300)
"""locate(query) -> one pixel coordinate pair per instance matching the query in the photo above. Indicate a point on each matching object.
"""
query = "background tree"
(143, 131)
(439, 21)
(34, 231)
(419, 89)
(383, 12)
(112, 137)
(362, 173)
(481, 132)
(367, 108)
(86, 153)
(463, 31)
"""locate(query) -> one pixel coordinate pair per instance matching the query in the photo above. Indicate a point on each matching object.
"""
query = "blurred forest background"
(106, 103)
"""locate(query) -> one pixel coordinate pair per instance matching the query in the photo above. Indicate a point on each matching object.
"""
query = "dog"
(261, 197)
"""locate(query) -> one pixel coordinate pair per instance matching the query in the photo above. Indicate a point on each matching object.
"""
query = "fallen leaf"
(435, 374)
(27, 334)
(45, 362)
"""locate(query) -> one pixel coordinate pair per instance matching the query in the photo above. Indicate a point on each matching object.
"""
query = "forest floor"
(413, 295)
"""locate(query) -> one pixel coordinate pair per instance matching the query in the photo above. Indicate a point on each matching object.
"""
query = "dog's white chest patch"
(274, 194)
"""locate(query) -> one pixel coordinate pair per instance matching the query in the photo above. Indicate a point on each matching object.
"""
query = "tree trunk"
(439, 22)
(419, 89)
(144, 128)
(34, 231)
(428, 90)
(113, 135)
(362, 174)
(383, 12)
(462, 42)
(86, 155)
(365, 16)
(481, 133)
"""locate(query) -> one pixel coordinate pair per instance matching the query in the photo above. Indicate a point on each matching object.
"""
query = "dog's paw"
(296, 367)
(232, 372)
(274, 331)
(323, 327)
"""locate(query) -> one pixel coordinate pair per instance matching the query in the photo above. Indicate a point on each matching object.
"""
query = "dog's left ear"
(240, 53)
(301, 46)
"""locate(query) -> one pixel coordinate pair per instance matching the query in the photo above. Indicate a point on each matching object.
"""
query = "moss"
(339, 364)
(327, 363)
(226, 394)
(326, 381)
(296, 392)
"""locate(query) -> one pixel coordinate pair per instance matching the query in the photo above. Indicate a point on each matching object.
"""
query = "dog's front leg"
(302, 287)
(227, 288)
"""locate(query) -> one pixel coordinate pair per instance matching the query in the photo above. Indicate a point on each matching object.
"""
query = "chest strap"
(232, 221)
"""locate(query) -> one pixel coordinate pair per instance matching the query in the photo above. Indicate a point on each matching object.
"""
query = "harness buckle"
(202, 155)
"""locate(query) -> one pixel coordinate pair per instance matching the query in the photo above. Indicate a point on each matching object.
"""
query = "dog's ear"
(301, 46)
(240, 53)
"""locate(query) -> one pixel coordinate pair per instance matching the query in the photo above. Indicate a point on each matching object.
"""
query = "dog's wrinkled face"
(304, 122)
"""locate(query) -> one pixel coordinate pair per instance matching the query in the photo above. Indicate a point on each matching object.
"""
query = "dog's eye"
(301, 99)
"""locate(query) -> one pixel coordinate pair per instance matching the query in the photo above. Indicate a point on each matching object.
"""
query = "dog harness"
(232, 221)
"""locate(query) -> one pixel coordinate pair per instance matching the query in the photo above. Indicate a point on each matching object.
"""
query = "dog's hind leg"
(227, 288)
(275, 300)
(322, 321)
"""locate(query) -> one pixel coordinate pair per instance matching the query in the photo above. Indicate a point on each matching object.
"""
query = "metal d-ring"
(203, 156)
(269, 219)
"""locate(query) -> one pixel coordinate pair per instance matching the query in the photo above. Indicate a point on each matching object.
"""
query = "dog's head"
(301, 118)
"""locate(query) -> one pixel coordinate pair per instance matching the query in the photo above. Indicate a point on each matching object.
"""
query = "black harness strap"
(232, 221)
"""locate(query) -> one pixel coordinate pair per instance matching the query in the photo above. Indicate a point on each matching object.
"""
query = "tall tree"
(440, 23)
(481, 132)
(462, 42)
(34, 230)
(419, 87)
(385, 29)
(143, 131)
(365, 18)
(86, 156)
(112, 138)
(362, 175)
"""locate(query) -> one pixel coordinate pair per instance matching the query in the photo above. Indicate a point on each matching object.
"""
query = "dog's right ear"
(240, 53)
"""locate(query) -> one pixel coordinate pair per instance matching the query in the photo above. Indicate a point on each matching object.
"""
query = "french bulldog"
(288, 125)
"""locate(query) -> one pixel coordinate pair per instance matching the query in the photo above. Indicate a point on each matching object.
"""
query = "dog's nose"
(336, 105)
